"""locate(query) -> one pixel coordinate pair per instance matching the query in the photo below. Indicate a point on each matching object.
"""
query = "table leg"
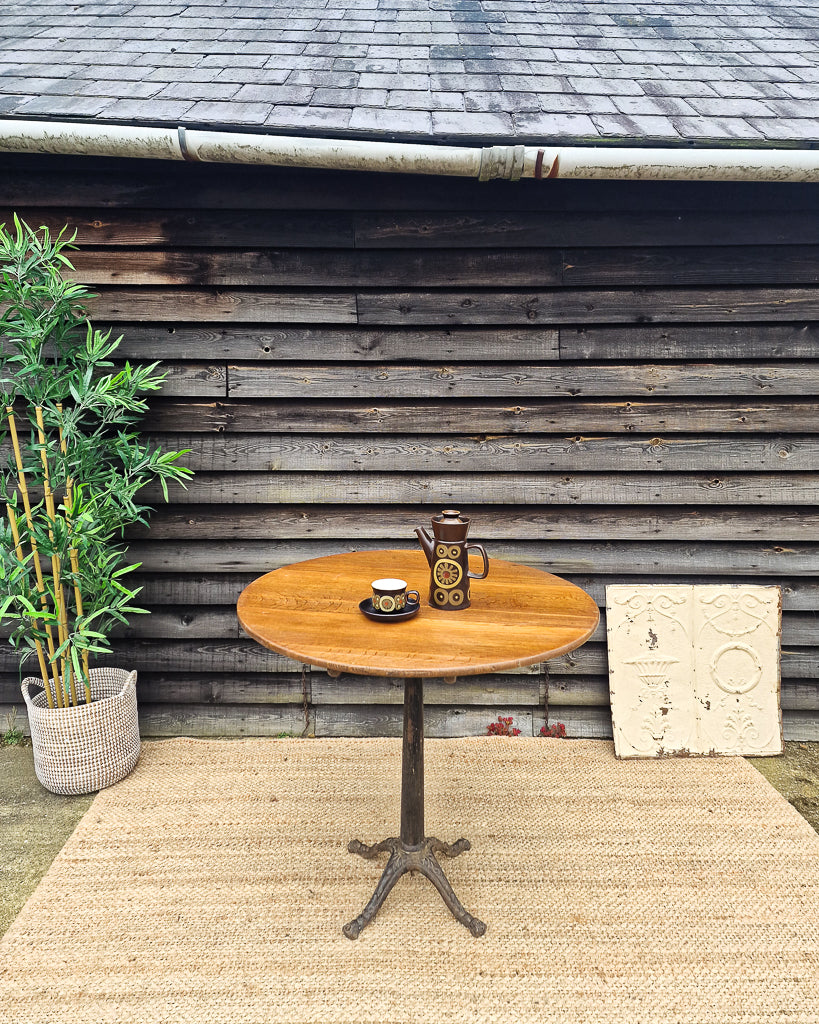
(412, 850)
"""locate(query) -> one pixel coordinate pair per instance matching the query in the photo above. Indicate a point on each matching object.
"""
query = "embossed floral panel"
(694, 670)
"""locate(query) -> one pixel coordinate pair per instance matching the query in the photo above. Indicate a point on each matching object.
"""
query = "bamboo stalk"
(69, 483)
(68, 501)
(56, 567)
(18, 550)
(75, 569)
(38, 572)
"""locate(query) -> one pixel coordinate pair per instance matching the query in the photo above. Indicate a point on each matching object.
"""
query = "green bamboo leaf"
(52, 354)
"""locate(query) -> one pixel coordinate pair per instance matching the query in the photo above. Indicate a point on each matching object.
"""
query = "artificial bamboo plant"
(75, 465)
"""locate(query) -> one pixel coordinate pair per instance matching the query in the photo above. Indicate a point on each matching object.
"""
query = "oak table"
(519, 616)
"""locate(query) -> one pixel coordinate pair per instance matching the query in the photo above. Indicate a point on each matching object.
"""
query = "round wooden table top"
(518, 616)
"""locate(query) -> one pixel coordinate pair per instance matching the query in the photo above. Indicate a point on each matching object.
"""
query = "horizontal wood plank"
(559, 557)
(273, 344)
(577, 691)
(183, 656)
(439, 722)
(460, 489)
(340, 416)
(565, 306)
(599, 267)
(590, 723)
(337, 522)
(800, 725)
(163, 623)
(64, 181)
(463, 307)
(223, 304)
(717, 264)
(238, 453)
(277, 268)
(535, 229)
(224, 720)
(183, 623)
(194, 380)
(518, 689)
(521, 381)
(192, 588)
(97, 226)
(222, 689)
(202, 688)
(794, 340)
(800, 696)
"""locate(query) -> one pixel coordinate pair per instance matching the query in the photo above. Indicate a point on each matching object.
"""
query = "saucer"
(366, 607)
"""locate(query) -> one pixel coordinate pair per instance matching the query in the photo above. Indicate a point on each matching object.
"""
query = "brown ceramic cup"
(391, 595)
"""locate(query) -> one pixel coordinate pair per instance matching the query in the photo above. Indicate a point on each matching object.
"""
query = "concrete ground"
(34, 824)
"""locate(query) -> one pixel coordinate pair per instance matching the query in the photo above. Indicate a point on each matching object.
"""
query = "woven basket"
(86, 748)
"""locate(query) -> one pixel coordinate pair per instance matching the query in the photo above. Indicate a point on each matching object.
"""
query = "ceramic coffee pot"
(448, 556)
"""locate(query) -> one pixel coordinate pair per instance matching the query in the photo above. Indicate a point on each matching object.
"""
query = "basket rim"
(128, 681)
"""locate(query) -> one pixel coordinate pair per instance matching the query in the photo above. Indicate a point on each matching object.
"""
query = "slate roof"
(566, 71)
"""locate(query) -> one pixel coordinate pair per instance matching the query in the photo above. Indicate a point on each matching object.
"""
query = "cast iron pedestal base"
(412, 851)
(403, 860)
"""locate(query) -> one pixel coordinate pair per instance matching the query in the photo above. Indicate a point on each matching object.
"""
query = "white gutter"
(510, 162)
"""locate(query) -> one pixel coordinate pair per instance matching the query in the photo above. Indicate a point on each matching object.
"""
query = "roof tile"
(472, 123)
(499, 70)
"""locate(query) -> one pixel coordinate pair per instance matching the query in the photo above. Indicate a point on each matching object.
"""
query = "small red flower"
(503, 727)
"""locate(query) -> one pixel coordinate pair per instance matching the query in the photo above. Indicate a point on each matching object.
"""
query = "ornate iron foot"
(403, 859)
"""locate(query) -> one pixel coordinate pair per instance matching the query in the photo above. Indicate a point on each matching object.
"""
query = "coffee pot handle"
(485, 573)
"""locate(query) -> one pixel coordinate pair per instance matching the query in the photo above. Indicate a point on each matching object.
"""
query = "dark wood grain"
(224, 304)
(690, 265)
(243, 453)
(718, 264)
(272, 343)
(618, 380)
(709, 558)
(276, 268)
(523, 344)
(764, 341)
(65, 181)
(505, 523)
(570, 306)
(523, 381)
(688, 415)
(99, 226)
(459, 489)
(601, 228)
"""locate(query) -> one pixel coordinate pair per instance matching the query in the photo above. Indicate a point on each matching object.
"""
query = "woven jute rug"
(211, 886)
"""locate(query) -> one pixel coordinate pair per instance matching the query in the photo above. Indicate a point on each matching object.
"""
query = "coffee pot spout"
(426, 543)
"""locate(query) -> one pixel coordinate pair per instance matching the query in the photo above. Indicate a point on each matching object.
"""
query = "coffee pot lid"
(450, 515)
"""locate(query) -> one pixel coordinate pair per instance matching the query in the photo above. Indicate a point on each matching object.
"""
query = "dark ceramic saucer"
(367, 608)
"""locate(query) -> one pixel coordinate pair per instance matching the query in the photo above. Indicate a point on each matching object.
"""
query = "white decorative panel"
(694, 670)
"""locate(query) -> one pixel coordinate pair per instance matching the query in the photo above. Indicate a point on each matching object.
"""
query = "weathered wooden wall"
(617, 381)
